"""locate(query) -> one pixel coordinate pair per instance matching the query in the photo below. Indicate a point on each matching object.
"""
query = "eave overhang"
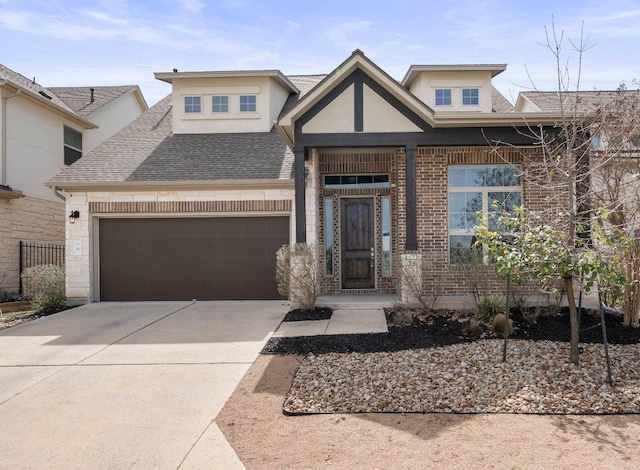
(275, 75)
(41, 100)
(415, 70)
(70, 186)
(8, 194)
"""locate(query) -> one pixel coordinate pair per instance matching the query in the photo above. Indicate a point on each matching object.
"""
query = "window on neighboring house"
(192, 104)
(470, 96)
(220, 104)
(443, 97)
(72, 145)
(475, 191)
(248, 103)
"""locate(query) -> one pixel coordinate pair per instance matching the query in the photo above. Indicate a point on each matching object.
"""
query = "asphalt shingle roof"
(549, 101)
(7, 74)
(499, 103)
(147, 151)
(78, 98)
(117, 157)
(193, 157)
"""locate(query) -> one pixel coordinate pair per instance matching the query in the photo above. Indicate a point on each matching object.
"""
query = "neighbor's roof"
(549, 101)
(79, 98)
(147, 151)
(41, 94)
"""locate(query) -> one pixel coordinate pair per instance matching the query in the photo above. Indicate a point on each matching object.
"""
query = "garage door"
(190, 258)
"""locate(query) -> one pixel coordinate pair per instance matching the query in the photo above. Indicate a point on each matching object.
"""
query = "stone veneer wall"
(28, 219)
(228, 202)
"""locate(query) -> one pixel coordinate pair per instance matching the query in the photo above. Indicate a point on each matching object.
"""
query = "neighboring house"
(109, 107)
(40, 134)
(192, 200)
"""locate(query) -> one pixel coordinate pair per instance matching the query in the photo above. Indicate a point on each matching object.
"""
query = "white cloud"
(343, 33)
(191, 5)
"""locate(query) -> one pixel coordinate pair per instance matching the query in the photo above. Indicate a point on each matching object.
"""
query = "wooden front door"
(358, 243)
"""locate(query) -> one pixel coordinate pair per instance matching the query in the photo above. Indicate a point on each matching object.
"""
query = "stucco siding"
(110, 118)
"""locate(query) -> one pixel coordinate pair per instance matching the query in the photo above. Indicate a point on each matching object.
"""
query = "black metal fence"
(36, 254)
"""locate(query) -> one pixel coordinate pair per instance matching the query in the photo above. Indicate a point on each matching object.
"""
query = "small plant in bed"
(449, 327)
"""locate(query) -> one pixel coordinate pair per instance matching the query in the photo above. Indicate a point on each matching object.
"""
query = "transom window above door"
(356, 181)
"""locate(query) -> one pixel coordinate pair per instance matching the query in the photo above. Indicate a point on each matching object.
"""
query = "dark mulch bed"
(318, 313)
(443, 328)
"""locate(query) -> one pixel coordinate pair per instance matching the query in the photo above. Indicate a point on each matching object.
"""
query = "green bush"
(44, 286)
(489, 306)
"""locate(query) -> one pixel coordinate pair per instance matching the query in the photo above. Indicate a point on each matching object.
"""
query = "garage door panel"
(183, 259)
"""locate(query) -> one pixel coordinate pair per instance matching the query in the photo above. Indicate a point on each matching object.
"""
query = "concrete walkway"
(342, 322)
(124, 385)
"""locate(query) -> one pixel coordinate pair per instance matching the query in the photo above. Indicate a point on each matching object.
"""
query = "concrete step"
(357, 301)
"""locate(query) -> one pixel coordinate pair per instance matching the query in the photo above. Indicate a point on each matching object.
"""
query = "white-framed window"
(443, 97)
(192, 104)
(220, 104)
(385, 225)
(248, 104)
(470, 96)
(72, 145)
(328, 236)
(475, 191)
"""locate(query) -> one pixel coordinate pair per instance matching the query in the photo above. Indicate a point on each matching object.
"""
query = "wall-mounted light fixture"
(73, 216)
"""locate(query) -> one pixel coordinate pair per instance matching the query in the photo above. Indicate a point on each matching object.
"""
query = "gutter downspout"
(56, 193)
(3, 136)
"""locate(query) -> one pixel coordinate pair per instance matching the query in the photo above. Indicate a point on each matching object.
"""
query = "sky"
(122, 42)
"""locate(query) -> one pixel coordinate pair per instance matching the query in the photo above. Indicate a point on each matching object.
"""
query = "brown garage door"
(196, 258)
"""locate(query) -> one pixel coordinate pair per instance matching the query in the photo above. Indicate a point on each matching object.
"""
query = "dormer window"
(248, 104)
(192, 104)
(220, 104)
(443, 97)
(470, 96)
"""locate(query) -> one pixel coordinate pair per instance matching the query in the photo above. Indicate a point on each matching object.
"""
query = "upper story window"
(72, 145)
(470, 96)
(192, 104)
(443, 97)
(248, 103)
(220, 104)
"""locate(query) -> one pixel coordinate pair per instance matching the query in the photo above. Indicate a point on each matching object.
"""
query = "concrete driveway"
(127, 385)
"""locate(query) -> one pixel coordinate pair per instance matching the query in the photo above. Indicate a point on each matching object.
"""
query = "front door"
(358, 243)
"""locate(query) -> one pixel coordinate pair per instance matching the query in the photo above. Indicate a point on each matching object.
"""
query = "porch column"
(411, 209)
(301, 218)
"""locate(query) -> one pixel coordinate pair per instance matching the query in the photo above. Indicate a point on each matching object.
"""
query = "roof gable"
(79, 99)
(357, 68)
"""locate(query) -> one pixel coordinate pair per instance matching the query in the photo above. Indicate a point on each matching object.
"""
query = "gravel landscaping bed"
(469, 378)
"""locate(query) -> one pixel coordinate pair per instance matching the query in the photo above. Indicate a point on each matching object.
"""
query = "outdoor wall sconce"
(73, 216)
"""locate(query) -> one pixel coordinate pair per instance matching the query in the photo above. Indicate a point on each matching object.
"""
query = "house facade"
(39, 135)
(193, 199)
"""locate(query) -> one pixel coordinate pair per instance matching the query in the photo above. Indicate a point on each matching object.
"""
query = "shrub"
(497, 325)
(44, 286)
(402, 317)
(473, 330)
(489, 306)
(298, 274)
(421, 284)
